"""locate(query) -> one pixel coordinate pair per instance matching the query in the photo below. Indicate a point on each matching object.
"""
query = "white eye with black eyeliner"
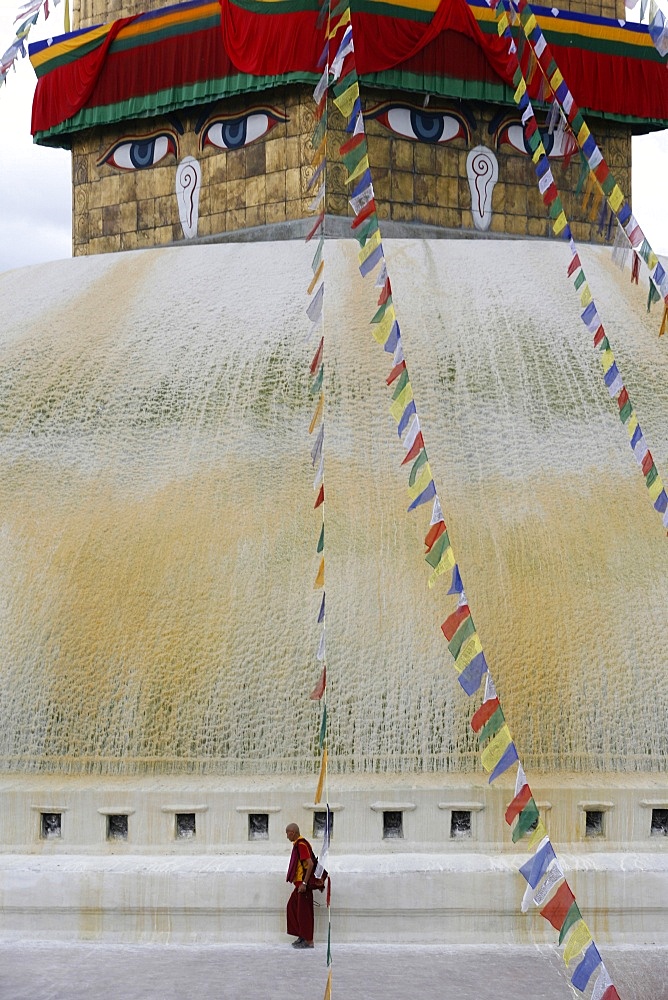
(140, 153)
(420, 125)
(234, 133)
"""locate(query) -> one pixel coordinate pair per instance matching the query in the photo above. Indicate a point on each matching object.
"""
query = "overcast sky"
(35, 185)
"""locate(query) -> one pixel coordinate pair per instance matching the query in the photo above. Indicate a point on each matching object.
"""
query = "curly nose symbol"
(188, 182)
(483, 172)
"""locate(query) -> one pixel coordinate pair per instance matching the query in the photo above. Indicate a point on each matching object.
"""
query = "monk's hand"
(302, 887)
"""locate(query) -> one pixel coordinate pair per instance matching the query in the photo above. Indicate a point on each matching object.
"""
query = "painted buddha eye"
(140, 153)
(419, 124)
(512, 134)
(234, 133)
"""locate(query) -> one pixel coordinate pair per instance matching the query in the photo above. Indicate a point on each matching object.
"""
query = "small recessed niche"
(594, 823)
(460, 823)
(185, 826)
(659, 827)
(258, 826)
(320, 822)
(117, 827)
(51, 825)
(393, 825)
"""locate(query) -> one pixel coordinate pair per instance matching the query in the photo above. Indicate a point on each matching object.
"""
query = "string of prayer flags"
(28, 14)
(589, 149)
(611, 376)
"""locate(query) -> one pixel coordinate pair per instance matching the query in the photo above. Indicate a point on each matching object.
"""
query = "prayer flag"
(321, 779)
(534, 869)
(435, 531)
(321, 613)
(492, 725)
(526, 820)
(453, 621)
(495, 750)
(395, 373)
(315, 278)
(578, 940)
(371, 261)
(407, 414)
(320, 499)
(414, 450)
(323, 726)
(456, 587)
(317, 413)
(572, 917)
(427, 494)
(555, 911)
(318, 691)
(603, 982)
(398, 406)
(415, 469)
(484, 713)
(507, 760)
(519, 802)
(346, 100)
(320, 576)
(328, 987)
(314, 310)
(447, 561)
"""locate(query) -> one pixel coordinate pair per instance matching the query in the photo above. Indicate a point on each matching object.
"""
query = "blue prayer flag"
(584, 971)
(534, 869)
(427, 494)
(508, 759)
(472, 675)
(456, 587)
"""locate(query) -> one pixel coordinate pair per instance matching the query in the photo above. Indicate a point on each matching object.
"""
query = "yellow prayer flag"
(381, 331)
(530, 25)
(496, 748)
(422, 481)
(320, 578)
(321, 779)
(664, 321)
(521, 89)
(631, 424)
(559, 223)
(583, 134)
(315, 277)
(652, 260)
(344, 19)
(469, 650)
(328, 987)
(66, 17)
(556, 79)
(607, 358)
(318, 413)
(585, 295)
(539, 833)
(540, 151)
(346, 100)
(502, 23)
(319, 154)
(616, 198)
(369, 247)
(401, 402)
(359, 170)
(446, 563)
(655, 489)
(578, 939)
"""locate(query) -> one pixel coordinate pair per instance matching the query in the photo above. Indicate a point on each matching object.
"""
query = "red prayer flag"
(368, 210)
(485, 712)
(315, 364)
(530, 127)
(647, 463)
(453, 621)
(602, 171)
(318, 222)
(321, 497)
(611, 994)
(415, 450)
(320, 109)
(598, 336)
(353, 143)
(434, 533)
(385, 294)
(395, 373)
(555, 911)
(318, 691)
(518, 804)
(623, 398)
(573, 266)
(550, 194)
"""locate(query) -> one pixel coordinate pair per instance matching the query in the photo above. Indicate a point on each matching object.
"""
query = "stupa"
(157, 552)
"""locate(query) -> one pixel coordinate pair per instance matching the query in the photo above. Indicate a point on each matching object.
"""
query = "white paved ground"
(63, 971)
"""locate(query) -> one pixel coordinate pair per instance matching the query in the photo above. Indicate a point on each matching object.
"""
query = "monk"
(300, 904)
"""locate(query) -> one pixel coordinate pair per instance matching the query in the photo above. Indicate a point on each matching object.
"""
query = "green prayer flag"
(580, 280)
(316, 386)
(402, 382)
(653, 296)
(651, 476)
(433, 557)
(492, 726)
(572, 917)
(526, 820)
(321, 540)
(417, 465)
(323, 726)
(380, 312)
(625, 412)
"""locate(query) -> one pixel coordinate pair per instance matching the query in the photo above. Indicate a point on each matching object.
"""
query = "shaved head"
(292, 832)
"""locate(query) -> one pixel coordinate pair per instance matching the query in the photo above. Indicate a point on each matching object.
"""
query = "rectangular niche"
(258, 826)
(659, 825)
(117, 826)
(50, 825)
(393, 824)
(460, 824)
(320, 821)
(594, 823)
(185, 826)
